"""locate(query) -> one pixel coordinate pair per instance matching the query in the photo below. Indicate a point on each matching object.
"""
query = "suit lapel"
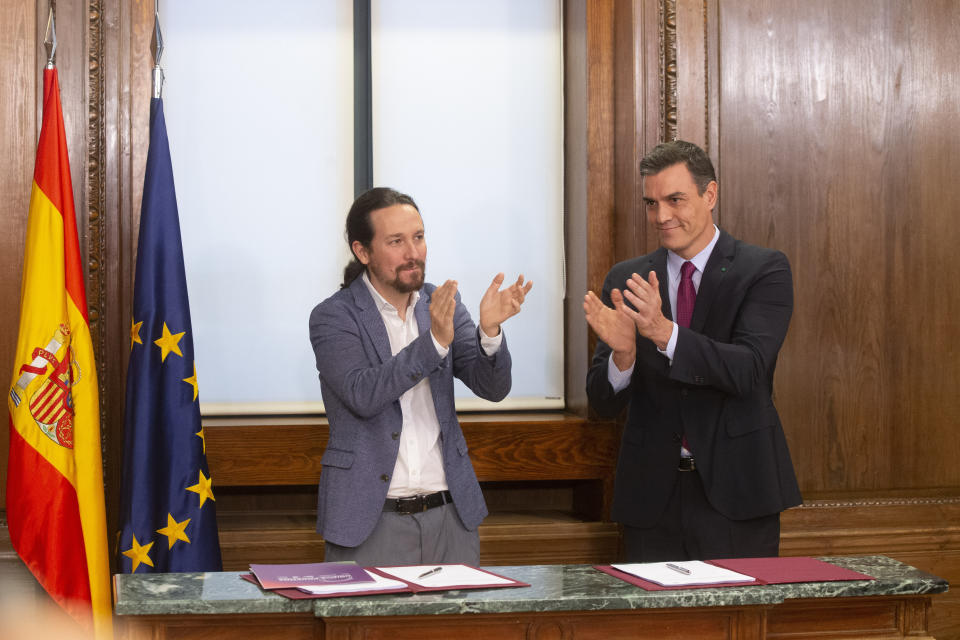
(719, 264)
(371, 320)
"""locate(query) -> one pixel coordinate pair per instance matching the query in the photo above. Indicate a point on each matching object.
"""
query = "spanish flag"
(55, 506)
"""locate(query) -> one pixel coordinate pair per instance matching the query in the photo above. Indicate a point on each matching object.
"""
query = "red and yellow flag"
(55, 506)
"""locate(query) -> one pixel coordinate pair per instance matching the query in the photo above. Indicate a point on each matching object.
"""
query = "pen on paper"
(678, 568)
(427, 574)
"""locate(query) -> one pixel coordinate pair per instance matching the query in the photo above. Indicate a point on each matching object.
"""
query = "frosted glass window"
(468, 120)
(259, 109)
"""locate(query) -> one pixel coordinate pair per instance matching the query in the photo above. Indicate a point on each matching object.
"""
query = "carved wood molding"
(880, 502)
(96, 193)
(668, 69)
(706, 76)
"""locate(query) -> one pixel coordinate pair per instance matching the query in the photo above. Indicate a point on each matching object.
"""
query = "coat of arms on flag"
(51, 403)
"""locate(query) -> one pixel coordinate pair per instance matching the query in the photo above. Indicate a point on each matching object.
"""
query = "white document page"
(379, 584)
(449, 575)
(678, 574)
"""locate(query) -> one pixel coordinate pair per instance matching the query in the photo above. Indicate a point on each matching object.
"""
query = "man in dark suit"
(397, 485)
(688, 338)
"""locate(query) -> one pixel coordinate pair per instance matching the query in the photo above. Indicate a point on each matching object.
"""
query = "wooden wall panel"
(601, 140)
(18, 134)
(838, 140)
(922, 247)
(691, 31)
(629, 111)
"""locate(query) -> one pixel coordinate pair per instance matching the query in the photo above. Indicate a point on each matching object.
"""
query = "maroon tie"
(686, 298)
(686, 295)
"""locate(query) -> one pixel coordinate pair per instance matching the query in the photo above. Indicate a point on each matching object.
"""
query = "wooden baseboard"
(887, 525)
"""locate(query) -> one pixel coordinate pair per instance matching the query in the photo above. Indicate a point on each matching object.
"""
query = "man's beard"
(413, 285)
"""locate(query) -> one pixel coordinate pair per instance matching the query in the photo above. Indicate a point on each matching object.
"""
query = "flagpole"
(156, 47)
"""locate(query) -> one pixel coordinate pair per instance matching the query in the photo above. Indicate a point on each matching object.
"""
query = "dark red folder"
(765, 570)
(296, 594)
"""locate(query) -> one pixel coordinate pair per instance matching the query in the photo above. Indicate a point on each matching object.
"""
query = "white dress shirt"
(419, 467)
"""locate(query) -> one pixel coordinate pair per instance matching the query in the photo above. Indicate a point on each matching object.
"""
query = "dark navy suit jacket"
(361, 383)
(717, 392)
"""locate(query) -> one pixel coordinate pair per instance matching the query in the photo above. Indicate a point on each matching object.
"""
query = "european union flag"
(167, 513)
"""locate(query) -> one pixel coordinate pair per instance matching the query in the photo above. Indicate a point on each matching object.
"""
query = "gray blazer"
(361, 384)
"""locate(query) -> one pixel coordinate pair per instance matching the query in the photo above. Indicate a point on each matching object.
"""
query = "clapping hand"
(644, 296)
(497, 305)
(613, 326)
(443, 304)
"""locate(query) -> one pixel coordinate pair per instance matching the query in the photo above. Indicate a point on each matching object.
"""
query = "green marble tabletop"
(552, 588)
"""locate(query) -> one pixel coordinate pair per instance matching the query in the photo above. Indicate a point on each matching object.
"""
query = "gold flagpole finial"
(50, 39)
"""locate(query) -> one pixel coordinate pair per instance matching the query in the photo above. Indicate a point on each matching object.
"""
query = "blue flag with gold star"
(167, 515)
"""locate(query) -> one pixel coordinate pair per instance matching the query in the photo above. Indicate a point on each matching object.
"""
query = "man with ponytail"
(397, 485)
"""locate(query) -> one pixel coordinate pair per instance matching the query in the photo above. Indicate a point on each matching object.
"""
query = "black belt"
(687, 463)
(418, 504)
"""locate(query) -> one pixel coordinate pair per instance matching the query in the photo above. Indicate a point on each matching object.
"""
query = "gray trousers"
(435, 536)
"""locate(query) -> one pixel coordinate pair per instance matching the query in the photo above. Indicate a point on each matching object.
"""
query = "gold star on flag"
(139, 554)
(174, 530)
(192, 381)
(203, 488)
(168, 342)
(200, 434)
(135, 333)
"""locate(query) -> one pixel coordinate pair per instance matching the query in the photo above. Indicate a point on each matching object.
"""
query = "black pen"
(678, 568)
(427, 574)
